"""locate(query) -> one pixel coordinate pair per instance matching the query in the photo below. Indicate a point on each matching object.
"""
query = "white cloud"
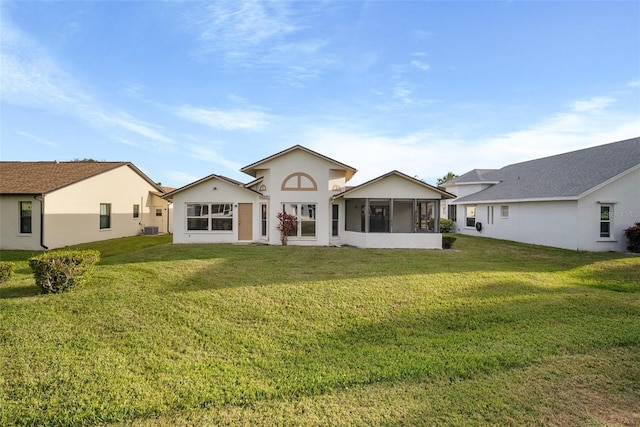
(260, 34)
(206, 154)
(241, 26)
(420, 65)
(181, 178)
(131, 124)
(592, 104)
(634, 83)
(30, 77)
(402, 93)
(225, 120)
(430, 155)
(39, 140)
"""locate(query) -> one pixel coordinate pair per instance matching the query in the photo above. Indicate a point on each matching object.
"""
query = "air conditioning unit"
(150, 231)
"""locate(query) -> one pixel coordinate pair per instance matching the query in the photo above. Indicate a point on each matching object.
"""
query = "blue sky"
(184, 89)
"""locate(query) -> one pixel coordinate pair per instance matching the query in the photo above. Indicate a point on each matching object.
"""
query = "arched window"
(299, 181)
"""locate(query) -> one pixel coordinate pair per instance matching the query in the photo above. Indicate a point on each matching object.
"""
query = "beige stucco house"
(47, 205)
(391, 211)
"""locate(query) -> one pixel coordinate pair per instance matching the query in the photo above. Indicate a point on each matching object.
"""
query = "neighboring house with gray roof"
(47, 205)
(582, 200)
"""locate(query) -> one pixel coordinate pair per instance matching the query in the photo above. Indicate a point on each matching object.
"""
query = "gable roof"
(476, 176)
(46, 177)
(566, 176)
(207, 178)
(444, 194)
(253, 167)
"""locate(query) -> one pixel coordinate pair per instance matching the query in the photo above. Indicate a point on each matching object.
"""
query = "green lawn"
(491, 333)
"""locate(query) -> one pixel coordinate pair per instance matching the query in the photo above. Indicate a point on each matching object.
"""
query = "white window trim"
(20, 233)
(110, 217)
(298, 235)
(475, 217)
(609, 238)
(209, 218)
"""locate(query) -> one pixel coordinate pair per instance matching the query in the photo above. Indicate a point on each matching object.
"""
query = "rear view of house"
(391, 211)
(56, 204)
(581, 200)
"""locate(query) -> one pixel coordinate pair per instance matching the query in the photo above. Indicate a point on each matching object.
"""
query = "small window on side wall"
(136, 211)
(470, 216)
(504, 211)
(606, 212)
(25, 217)
(105, 216)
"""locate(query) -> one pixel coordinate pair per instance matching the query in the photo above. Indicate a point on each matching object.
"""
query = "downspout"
(40, 198)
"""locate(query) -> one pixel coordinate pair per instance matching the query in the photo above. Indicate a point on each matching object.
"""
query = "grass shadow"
(8, 292)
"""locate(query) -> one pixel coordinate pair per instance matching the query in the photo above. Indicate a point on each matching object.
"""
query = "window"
(222, 217)
(197, 216)
(105, 215)
(452, 212)
(136, 211)
(25, 217)
(205, 217)
(335, 229)
(504, 211)
(305, 213)
(489, 214)
(158, 211)
(470, 215)
(263, 219)
(605, 220)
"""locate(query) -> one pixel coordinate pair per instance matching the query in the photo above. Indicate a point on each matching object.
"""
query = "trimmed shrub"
(446, 225)
(62, 270)
(633, 237)
(447, 242)
(6, 271)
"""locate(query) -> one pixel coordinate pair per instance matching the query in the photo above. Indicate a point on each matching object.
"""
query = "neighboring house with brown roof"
(581, 200)
(47, 205)
(391, 211)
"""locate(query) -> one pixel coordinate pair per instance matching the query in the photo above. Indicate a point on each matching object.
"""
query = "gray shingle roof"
(476, 175)
(567, 175)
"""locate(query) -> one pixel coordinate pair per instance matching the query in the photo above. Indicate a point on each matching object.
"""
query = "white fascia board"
(609, 181)
(503, 201)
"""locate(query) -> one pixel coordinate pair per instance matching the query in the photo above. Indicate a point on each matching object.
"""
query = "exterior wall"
(394, 240)
(10, 236)
(541, 223)
(212, 191)
(624, 196)
(460, 190)
(394, 187)
(326, 179)
(151, 217)
(72, 214)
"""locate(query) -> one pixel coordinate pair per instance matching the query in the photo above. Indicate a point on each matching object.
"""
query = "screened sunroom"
(379, 215)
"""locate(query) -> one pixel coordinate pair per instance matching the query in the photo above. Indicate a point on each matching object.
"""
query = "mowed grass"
(492, 333)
